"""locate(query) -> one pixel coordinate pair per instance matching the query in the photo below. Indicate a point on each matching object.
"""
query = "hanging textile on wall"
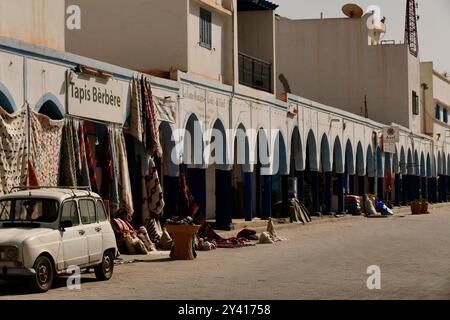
(135, 123)
(46, 137)
(90, 161)
(186, 206)
(143, 122)
(115, 200)
(152, 144)
(13, 150)
(124, 185)
(105, 163)
(84, 168)
(32, 177)
(68, 170)
(153, 199)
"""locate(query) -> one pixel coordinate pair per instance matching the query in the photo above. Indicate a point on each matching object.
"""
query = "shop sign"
(96, 98)
(391, 135)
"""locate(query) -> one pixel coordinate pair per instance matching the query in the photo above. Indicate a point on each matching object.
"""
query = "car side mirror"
(66, 224)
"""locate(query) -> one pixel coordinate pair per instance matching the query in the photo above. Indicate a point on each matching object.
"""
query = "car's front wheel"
(43, 279)
(104, 270)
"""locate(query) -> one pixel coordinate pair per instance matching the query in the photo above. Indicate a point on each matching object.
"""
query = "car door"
(109, 239)
(74, 240)
(93, 230)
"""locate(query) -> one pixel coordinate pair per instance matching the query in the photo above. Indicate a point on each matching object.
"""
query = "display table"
(182, 235)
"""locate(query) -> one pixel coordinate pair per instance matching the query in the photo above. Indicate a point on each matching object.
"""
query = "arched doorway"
(218, 179)
(194, 162)
(50, 106)
(370, 170)
(168, 169)
(311, 176)
(297, 165)
(280, 181)
(338, 178)
(360, 170)
(6, 100)
(242, 181)
(263, 177)
(349, 169)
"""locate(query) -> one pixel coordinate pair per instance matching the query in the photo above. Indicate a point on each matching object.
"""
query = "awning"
(255, 5)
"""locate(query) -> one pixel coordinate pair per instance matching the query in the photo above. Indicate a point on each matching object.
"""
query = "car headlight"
(9, 253)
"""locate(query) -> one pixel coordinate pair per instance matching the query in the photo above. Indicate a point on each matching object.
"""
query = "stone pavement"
(319, 261)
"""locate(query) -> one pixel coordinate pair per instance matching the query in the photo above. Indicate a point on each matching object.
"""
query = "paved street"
(319, 261)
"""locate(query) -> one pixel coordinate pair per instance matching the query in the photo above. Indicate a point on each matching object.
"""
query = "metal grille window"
(205, 28)
(415, 100)
(255, 73)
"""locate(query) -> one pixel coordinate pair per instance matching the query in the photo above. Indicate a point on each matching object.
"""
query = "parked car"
(44, 232)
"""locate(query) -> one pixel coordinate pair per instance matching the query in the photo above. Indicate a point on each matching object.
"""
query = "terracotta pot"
(416, 208)
(424, 208)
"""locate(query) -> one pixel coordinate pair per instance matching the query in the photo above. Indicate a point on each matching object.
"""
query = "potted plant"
(416, 206)
(424, 206)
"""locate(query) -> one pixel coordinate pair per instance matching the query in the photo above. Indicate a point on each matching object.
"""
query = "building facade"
(271, 146)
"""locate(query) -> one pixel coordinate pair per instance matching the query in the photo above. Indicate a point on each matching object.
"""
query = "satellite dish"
(352, 10)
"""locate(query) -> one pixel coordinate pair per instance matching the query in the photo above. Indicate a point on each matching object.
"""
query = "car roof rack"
(72, 188)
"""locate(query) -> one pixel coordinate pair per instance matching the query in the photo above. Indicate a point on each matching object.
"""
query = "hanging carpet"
(13, 150)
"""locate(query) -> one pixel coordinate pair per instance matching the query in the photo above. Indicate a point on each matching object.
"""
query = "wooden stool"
(182, 237)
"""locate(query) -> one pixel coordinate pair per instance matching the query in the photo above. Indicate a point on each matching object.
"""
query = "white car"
(45, 232)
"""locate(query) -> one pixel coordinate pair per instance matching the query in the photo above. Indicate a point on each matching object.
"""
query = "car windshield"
(29, 210)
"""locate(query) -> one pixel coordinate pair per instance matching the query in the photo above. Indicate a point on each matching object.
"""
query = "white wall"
(39, 22)
(144, 35)
(330, 61)
(11, 77)
(216, 63)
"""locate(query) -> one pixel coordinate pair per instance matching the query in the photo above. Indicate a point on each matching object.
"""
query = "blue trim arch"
(6, 100)
(50, 106)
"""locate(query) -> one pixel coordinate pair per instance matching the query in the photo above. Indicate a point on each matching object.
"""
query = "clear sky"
(434, 22)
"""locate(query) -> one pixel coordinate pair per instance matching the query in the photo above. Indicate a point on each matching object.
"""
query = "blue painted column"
(371, 185)
(435, 190)
(423, 187)
(380, 187)
(248, 176)
(361, 185)
(398, 187)
(301, 186)
(405, 189)
(285, 194)
(418, 187)
(351, 184)
(328, 192)
(224, 200)
(430, 189)
(267, 197)
(445, 187)
(340, 192)
(315, 192)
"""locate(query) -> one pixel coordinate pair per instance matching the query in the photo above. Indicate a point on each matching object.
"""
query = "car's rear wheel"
(42, 281)
(104, 270)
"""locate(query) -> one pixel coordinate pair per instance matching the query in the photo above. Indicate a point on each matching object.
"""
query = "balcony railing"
(255, 73)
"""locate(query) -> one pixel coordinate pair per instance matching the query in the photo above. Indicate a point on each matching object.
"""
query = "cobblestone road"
(319, 261)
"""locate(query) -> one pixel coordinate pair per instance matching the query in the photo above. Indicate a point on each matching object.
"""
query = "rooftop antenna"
(352, 10)
(411, 35)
